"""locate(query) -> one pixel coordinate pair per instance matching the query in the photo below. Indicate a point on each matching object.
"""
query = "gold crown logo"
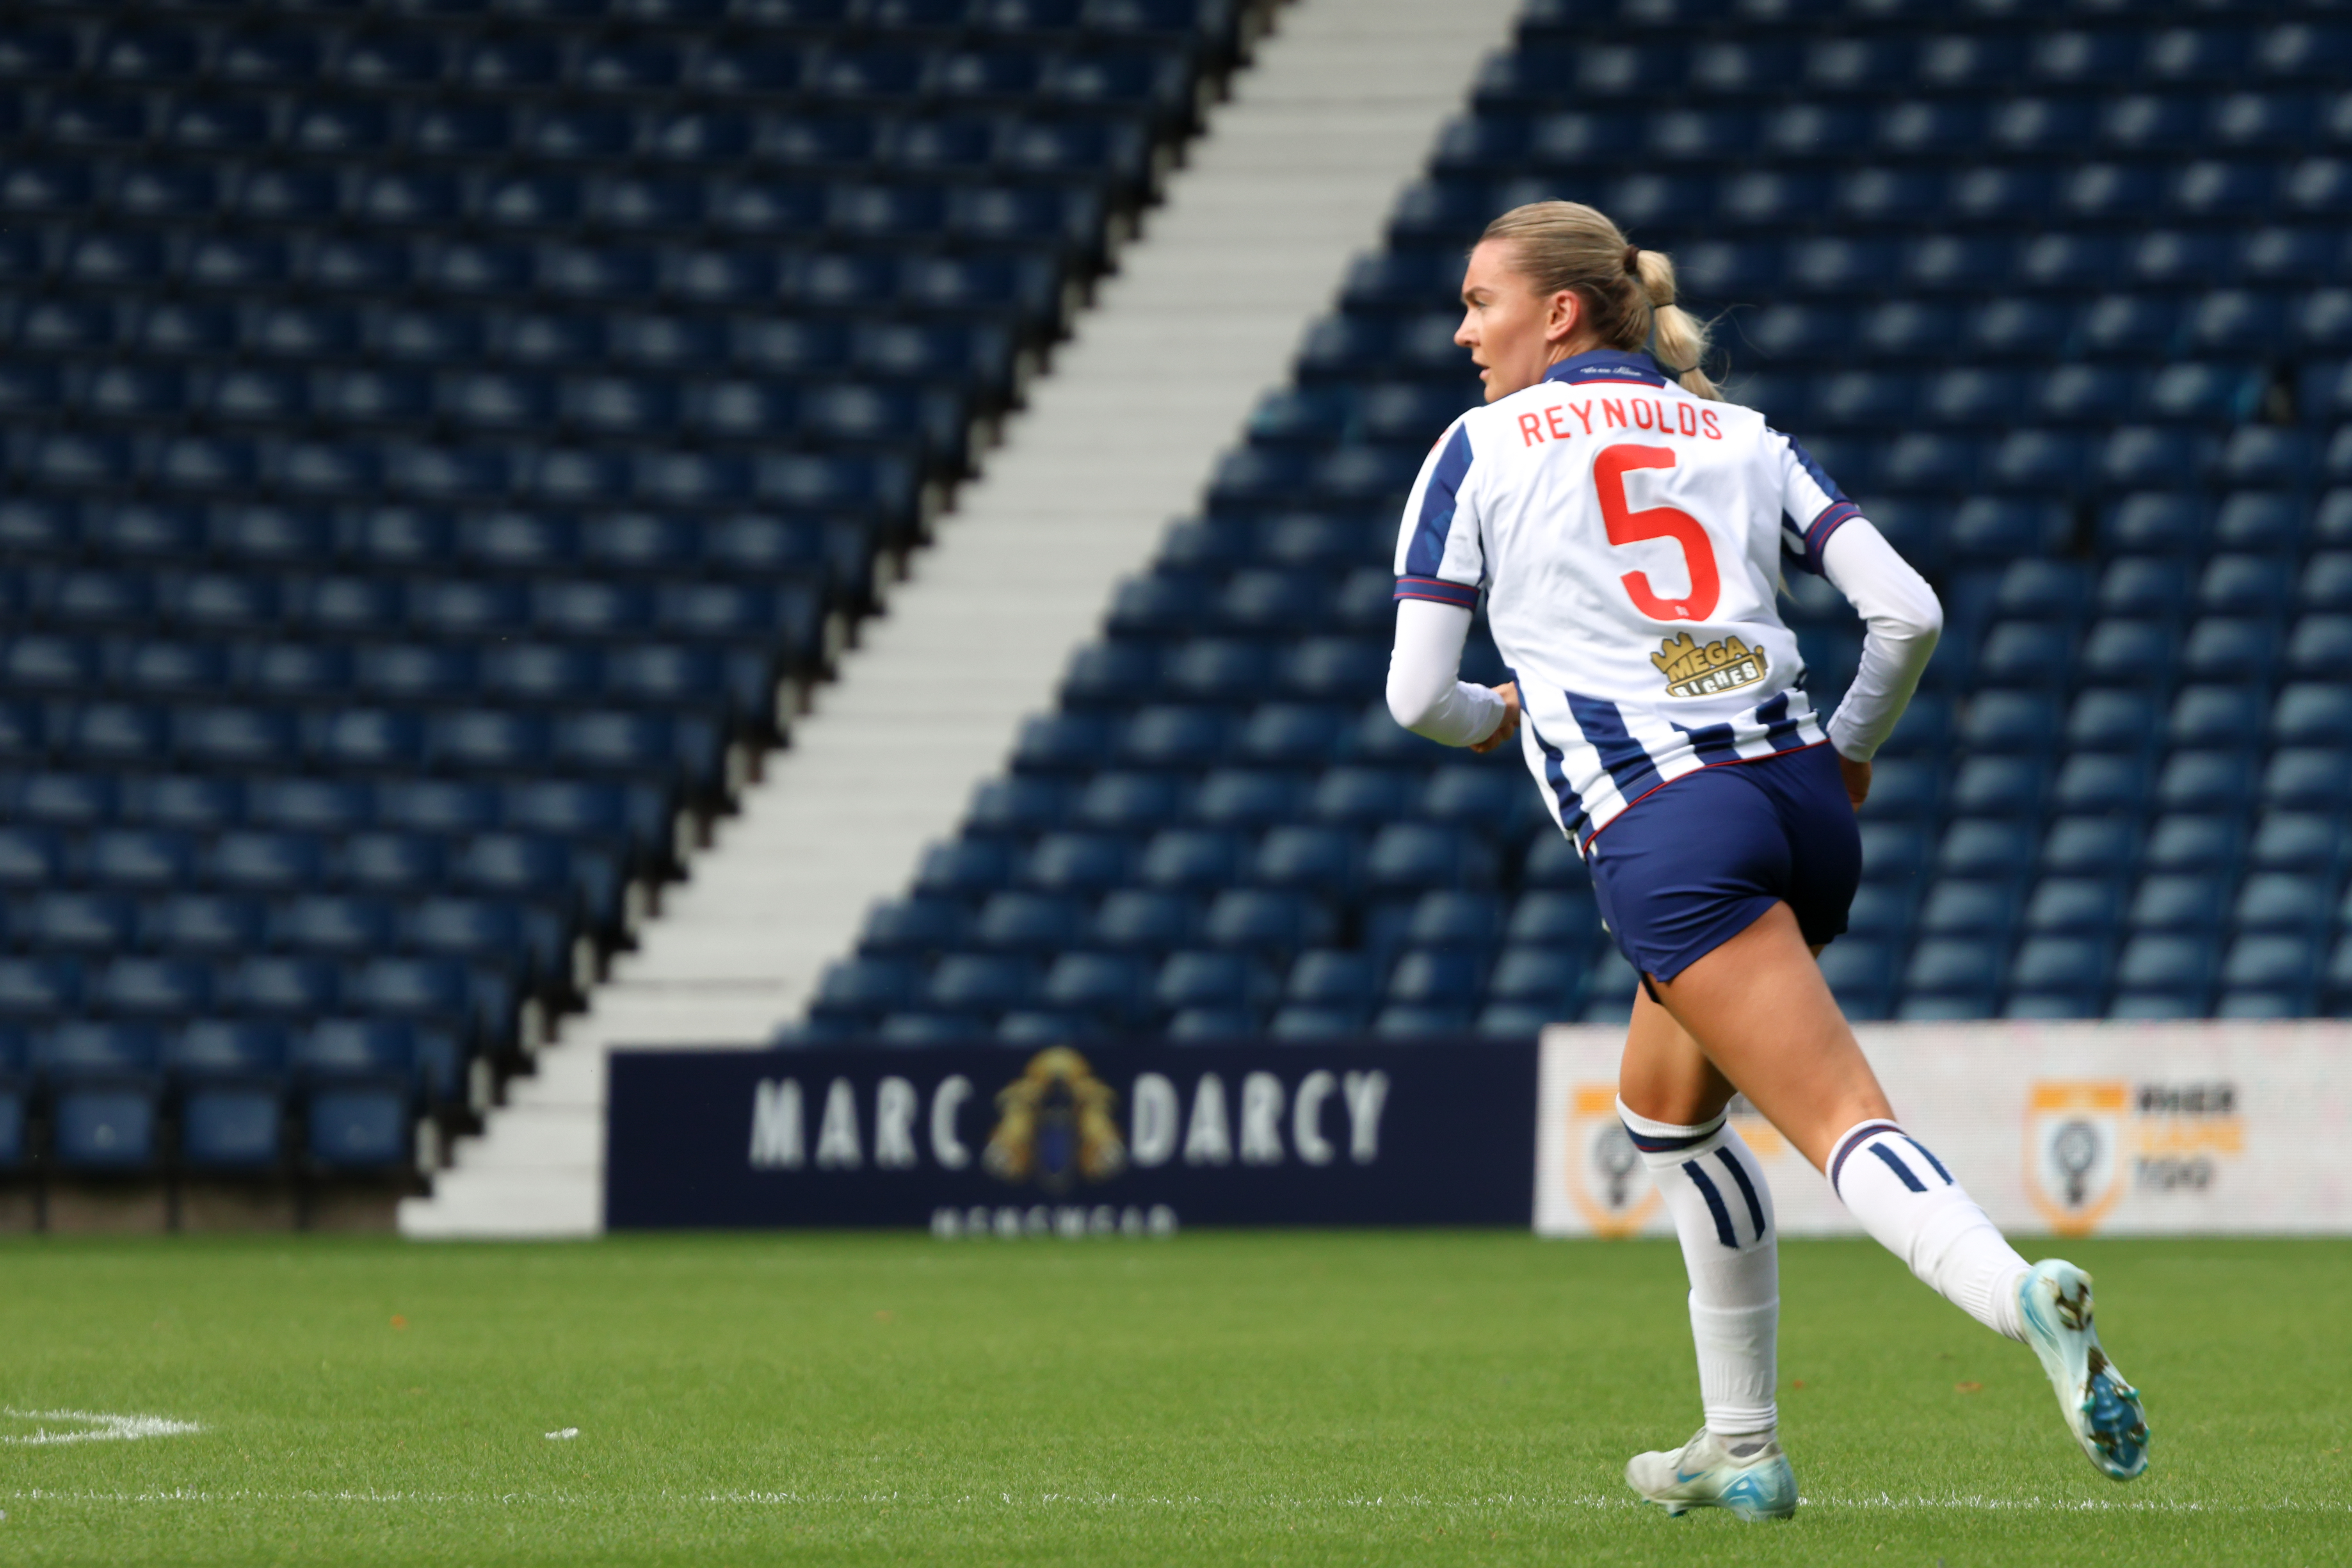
(1695, 669)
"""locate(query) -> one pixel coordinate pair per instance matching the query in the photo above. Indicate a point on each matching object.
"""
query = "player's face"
(1513, 333)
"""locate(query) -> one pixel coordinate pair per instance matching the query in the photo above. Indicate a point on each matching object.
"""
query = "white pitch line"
(99, 1427)
(1522, 1504)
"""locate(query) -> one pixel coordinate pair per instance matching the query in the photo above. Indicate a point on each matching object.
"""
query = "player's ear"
(1562, 319)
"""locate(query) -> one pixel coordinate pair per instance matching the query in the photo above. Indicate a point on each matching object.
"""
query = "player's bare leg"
(1768, 1026)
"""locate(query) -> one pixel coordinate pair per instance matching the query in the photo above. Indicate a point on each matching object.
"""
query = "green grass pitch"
(1216, 1398)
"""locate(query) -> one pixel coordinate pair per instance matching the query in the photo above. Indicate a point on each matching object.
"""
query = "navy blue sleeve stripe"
(1746, 1190)
(1805, 460)
(1439, 590)
(1834, 516)
(1426, 553)
(1723, 1231)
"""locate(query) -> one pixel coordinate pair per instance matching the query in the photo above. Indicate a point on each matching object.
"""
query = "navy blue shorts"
(1692, 865)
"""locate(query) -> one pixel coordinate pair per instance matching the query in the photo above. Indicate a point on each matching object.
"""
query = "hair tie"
(1633, 260)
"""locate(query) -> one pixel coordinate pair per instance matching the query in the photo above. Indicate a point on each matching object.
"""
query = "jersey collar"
(1607, 365)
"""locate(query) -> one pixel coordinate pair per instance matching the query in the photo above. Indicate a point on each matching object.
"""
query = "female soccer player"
(1630, 531)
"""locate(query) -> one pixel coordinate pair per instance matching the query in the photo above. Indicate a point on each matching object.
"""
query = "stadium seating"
(2054, 292)
(437, 441)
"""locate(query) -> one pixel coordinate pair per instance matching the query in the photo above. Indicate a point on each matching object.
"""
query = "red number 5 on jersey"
(1655, 523)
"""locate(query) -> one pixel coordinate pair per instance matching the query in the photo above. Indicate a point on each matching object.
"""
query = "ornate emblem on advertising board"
(1055, 1125)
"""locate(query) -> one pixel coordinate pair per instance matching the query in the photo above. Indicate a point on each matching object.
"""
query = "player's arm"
(1425, 694)
(1439, 560)
(1903, 620)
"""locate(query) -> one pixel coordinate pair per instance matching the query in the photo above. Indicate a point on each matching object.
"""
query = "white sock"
(1906, 1199)
(1723, 1213)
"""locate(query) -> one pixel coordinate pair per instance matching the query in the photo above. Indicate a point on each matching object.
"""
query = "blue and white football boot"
(1702, 1473)
(2101, 1409)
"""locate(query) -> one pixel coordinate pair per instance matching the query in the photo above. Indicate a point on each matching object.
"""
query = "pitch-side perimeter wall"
(2117, 1128)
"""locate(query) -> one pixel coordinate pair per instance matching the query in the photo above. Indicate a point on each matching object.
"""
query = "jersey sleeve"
(1439, 555)
(1812, 507)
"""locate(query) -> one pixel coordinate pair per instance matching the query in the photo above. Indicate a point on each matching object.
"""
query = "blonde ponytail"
(1628, 292)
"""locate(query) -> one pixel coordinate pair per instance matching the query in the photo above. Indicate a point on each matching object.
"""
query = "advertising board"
(1126, 1139)
(2116, 1128)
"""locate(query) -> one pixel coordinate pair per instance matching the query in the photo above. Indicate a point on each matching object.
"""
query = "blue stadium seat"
(2102, 783)
(1949, 966)
(2112, 720)
(1063, 742)
(2207, 843)
(2009, 721)
(2075, 906)
(1227, 982)
(105, 1127)
(1267, 921)
(1078, 862)
(75, 923)
(2212, 780)
(1984, 846)
(1861, 970)
(2000, 786)
(1040, 923)
(1955, 909)
(864, 986)
(2155, 965)
(1545, 981)
(1416, 855)
(2217, 715)
(1109, 987)
(964, 867)
(2129, 652)
(2291, 902)
(2089, 846)
(2306, 777)
(1020, 804)
(231, 1126)
(2062, 966)
(2231, 648)
(1130, 919)
(139, 858)
(2304, 841)
(1882, 910)
(357, 1127)
(2176, 903)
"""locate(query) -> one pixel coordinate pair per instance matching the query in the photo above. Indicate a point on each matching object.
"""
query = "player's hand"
(1509, 692)
(1857, 780)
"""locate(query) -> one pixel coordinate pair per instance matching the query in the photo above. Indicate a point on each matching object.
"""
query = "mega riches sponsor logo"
(2087, 1141)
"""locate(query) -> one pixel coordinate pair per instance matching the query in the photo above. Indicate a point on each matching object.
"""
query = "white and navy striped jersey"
(1630, 538)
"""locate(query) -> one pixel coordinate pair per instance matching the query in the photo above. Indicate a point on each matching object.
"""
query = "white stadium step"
(1291, 179)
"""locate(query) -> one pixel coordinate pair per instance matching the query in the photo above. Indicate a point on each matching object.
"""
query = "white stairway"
(1292, 177)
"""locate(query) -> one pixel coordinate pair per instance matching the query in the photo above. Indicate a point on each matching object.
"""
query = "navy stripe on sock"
(1723, 1231)
(1747, 1189)
(1854, 1141)
(1894, 1163)
(1649, 1143)
(1931, 1159)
